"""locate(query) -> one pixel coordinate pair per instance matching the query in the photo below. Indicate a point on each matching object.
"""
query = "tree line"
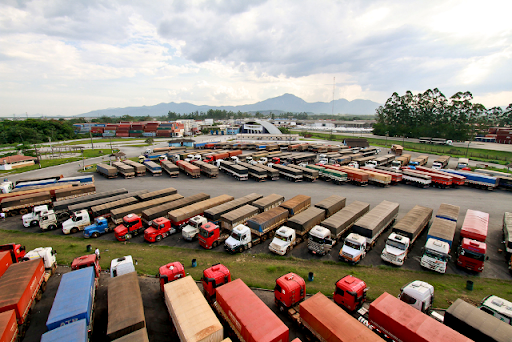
(31, 131)
(432, 114)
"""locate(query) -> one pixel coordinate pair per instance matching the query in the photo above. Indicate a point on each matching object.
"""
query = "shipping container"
(268, 202)
(332, 205)
(137, 208)
(192, 316)
(164, 209)
(214, 214)
(296, 204)
(125, 308)
(343, 220)
(303, 222)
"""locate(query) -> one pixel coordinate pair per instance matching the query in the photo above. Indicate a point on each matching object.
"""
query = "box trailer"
(75, 332)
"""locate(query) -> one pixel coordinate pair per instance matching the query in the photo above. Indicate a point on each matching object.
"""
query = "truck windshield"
(396, 244)
(472, 255)
(129, 224)
(204, 233)
(235, 236)
(316, 239)
(435, 255)
(280, 237)
(352, 244)
(396, 163)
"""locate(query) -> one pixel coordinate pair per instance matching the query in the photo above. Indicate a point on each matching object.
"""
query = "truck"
(163, 210)
(419, 295)
(353, 175)
(212, 278)
(8, 326)
(170, 272)
(98, 227)
(334, 174)
(289, 173)
(436, 141)
(214, 214)
(159, 229)
(208, 169)
(421, 180)
(131, 226)
(403, 160)
(16, 251)
(462, 163)
(404, 234)
(78, 221)
(32, 219)
(239, 172)
(180, 217)
(214, 157)
(127, 171)
(140, 169)
(258, 229)
(268, 202)
(172, 169)
(350, 293)
(419, 160)
(255, 171)
(504, 179)
(472, 249)
(67, 306)
(5, 261)
(456, 179)
(296, 205)
(284, 240)
(436, 252)
(47, 254)
(272, 174)
(85, 261)
(497, 307)
(331, 205)
(153, 168)
(137, 208)
(121, 266)
(248, 316)
(303, 222)
(23, 204)
(396, 177)
(476, 324)
(289, 291)
(307, 173)
(192, 317)
(367, 230)
(441, 162)
(436, 179)
(393, 317)
(322, 238)
(377, 178)
(106, 170)
(190, 170)
(127, 315)
(476, 179)
(191, 230)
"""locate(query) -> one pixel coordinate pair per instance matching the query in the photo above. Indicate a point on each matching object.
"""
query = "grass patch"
(259, 271)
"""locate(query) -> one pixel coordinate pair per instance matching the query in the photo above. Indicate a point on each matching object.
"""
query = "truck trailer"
(106, 170)
(214, 214)
(179, 217)
(296, 205)
(137, 208)
(331, 205)
(60, 206)
(209, 170)
(163, 209)
(75, 191)
(239, 172)
(303, 222)
(127, 171)
(268, 202)
(289, 173)
(255, 171)
(471, 252)
(140, 169)
(172, 169)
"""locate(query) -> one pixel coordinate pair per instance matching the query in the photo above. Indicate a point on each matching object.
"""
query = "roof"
(15, 159)
(271, 129)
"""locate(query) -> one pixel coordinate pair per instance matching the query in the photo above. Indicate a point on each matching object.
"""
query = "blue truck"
(153, 167)
(73, 332)
(74, 300)
(100, 226)
(477, 179)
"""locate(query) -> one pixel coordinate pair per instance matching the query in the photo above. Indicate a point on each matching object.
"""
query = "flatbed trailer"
(255, 171)
(140, 169)
(171, 169)
(127, 171)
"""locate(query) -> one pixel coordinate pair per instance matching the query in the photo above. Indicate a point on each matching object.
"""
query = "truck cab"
(320, 241)
(209, 235)
(283, 241)
(471, 255)
(213, 277)
(190, 231)
(235, 159)
(437, 166)
(395, 250)
(497, 307)
(45, 253)
(49, 220)
(131, 226)
(90, 260)
(263, 160)
(122, 265)
(170, 272)
(159, 229)
(371, 163)
(350, 292)
(353, 164)
(32, 219)
(419, 295)
(290, 290)
(78, 221)
(276, 160)
(354, 248)
(17, 251)
(6, 187)
(239, 240)
(396, 165)
(436, 255)
(463, 163)
(100, 226)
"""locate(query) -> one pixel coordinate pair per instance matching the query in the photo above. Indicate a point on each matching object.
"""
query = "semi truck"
(268, 202)
(140, 169)
(507, 233)
(403, 160)
(23, 204)
(74, 299)
(296, 205)
(476, 179)
(78, 221)
(153, 168)
(106, 170)
(441, 162)
(323, 237)
(284, 240)
(127, 171)
(85, 261)
(209, 170)
(289, 173)
(307, 173)
(303, 222)
(395, 176)
(180, 217)
(436, 179)
(192, 317)
(127, 315)
(353, 175)
(74, 192)
(377, 178)
(472, 249)
(421, 180)
(237, 171)
(419, 160)
(212, 278)
(172, 169)
(255, 171)
(272, 174)
(289, 291)
(367, 230)
(249, 318)
(214, 214)
(16, 251)
(170, 272)
(350, 293)
(456, 179)
(190, 170)
(404, 234)
(105, 209)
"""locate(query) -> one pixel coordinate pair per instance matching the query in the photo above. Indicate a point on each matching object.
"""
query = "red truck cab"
(350, 292)
(87, 261)
(17, 251)
(132, 225)
(471, 255)
(160, 228)
(290, 289)
(209, 235)
(214, 277)
(170, 272)
(276, 160)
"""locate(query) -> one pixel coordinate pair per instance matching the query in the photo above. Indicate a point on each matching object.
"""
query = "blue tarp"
(475, 177)
(73, 332)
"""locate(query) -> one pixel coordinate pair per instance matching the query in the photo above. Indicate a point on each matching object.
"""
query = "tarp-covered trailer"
(157, 194)
(106, 170)
(303, 222)
(163, 209)
(268, 202)
(214, 214)
(180, 216)
(75, 332)
(267, 221)
(296, 204)
(64, 204)
(170, 168)
(344, 219)
(331, 204)
(90, 204)
(375, 221)
(127, 171)
(137, 208)
(238, 216)
(140, 169)
(76, 191)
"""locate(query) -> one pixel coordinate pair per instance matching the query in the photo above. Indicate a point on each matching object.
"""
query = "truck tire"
(215, 244)
(158, 238)
(52, 227)
(23, 211)
(34, 223)
(240, 249)
(95, 234)
(74, 230)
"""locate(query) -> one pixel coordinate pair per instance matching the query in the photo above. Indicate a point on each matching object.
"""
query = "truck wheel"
(52, 227)
(95, 235)
(74, 230)
(23, 211)
(158, 238)
(215, 244)
(240, 249)
(288, 250)
(34, 223)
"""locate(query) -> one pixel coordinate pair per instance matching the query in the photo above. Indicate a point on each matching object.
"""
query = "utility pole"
(83, 158)
(51, 146)
(90, 135)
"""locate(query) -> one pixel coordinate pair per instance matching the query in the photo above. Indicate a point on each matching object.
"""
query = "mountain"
(283, 103)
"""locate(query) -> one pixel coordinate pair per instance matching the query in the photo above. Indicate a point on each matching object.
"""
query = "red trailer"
(20, 285)
(5, 261)
(250, 318)
(214, 157)
(395, 177)
(8, 326)
(456, 179)
(234, 153)
(471, 252)
(441, 180)
(191, 170)
(214, 277)
(402, 322)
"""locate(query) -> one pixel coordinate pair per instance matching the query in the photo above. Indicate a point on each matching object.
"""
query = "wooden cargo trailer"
(137, 208)
(164, 209)
(140, 169)
(127, 171)
(76, 191)
(268, 202)
(106, 170)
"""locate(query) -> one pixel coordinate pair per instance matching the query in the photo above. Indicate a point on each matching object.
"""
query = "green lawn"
(261, 270)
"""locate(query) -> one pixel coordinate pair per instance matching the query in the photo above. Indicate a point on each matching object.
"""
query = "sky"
(61, 57)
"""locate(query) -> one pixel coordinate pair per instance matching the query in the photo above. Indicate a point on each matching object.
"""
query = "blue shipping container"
(40, 182)
(81, 179)
(73, 332)
(474, 177)
(74, 298)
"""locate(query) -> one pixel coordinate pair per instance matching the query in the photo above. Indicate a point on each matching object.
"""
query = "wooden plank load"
(296, 204)
(182, 215)
(64, 204)
(214, 214)
(303, 222)
(307, 173)
(344, 219)
(137, 208)
(268, 202)
(125, 308)
(332, 205)
(106, 170)
(158, 193)
(127, 171)
(76, 191)
(88, 205)
(209, 170)
(170, 168)
(192, 316)
(238, 216)
(51, 188)
(22, 204)
(164, 209)
(140, 169)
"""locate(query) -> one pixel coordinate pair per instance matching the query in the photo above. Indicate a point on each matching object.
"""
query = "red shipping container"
(122, 135)
(475, 225)
(252, 318)
(135, 134)
(19, 286)
(8, 326)
(404, 323)
(322, 315)
(5, 261)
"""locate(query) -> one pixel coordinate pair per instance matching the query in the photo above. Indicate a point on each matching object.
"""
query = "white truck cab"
(371, 163)
(353, 164)
(248, 159)
(239, 239)
(121, 266)
(418, 294)
(396, 165)
(437, 166)
(320, 240)
(78, 221)
(190, 231)
(354, 248)
(395, 250)
(436, 255)
(32, 219)
(283, 241)
(45, 253)
(263, 160)
(498, 307)
(6, 187)
(234, 159)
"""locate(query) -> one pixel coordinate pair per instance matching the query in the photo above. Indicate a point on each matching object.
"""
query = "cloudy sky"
(61, 57)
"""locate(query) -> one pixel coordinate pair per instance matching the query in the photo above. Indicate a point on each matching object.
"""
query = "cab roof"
(290, 282)
(350, 283)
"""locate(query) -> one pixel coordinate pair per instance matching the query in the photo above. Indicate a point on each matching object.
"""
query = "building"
(16, 161)
(259, 127)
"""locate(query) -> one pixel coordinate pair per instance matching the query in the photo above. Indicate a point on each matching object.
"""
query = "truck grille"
(348, 255)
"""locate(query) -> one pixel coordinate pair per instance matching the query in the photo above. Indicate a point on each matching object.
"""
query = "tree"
(149, 141)
(284, 130)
